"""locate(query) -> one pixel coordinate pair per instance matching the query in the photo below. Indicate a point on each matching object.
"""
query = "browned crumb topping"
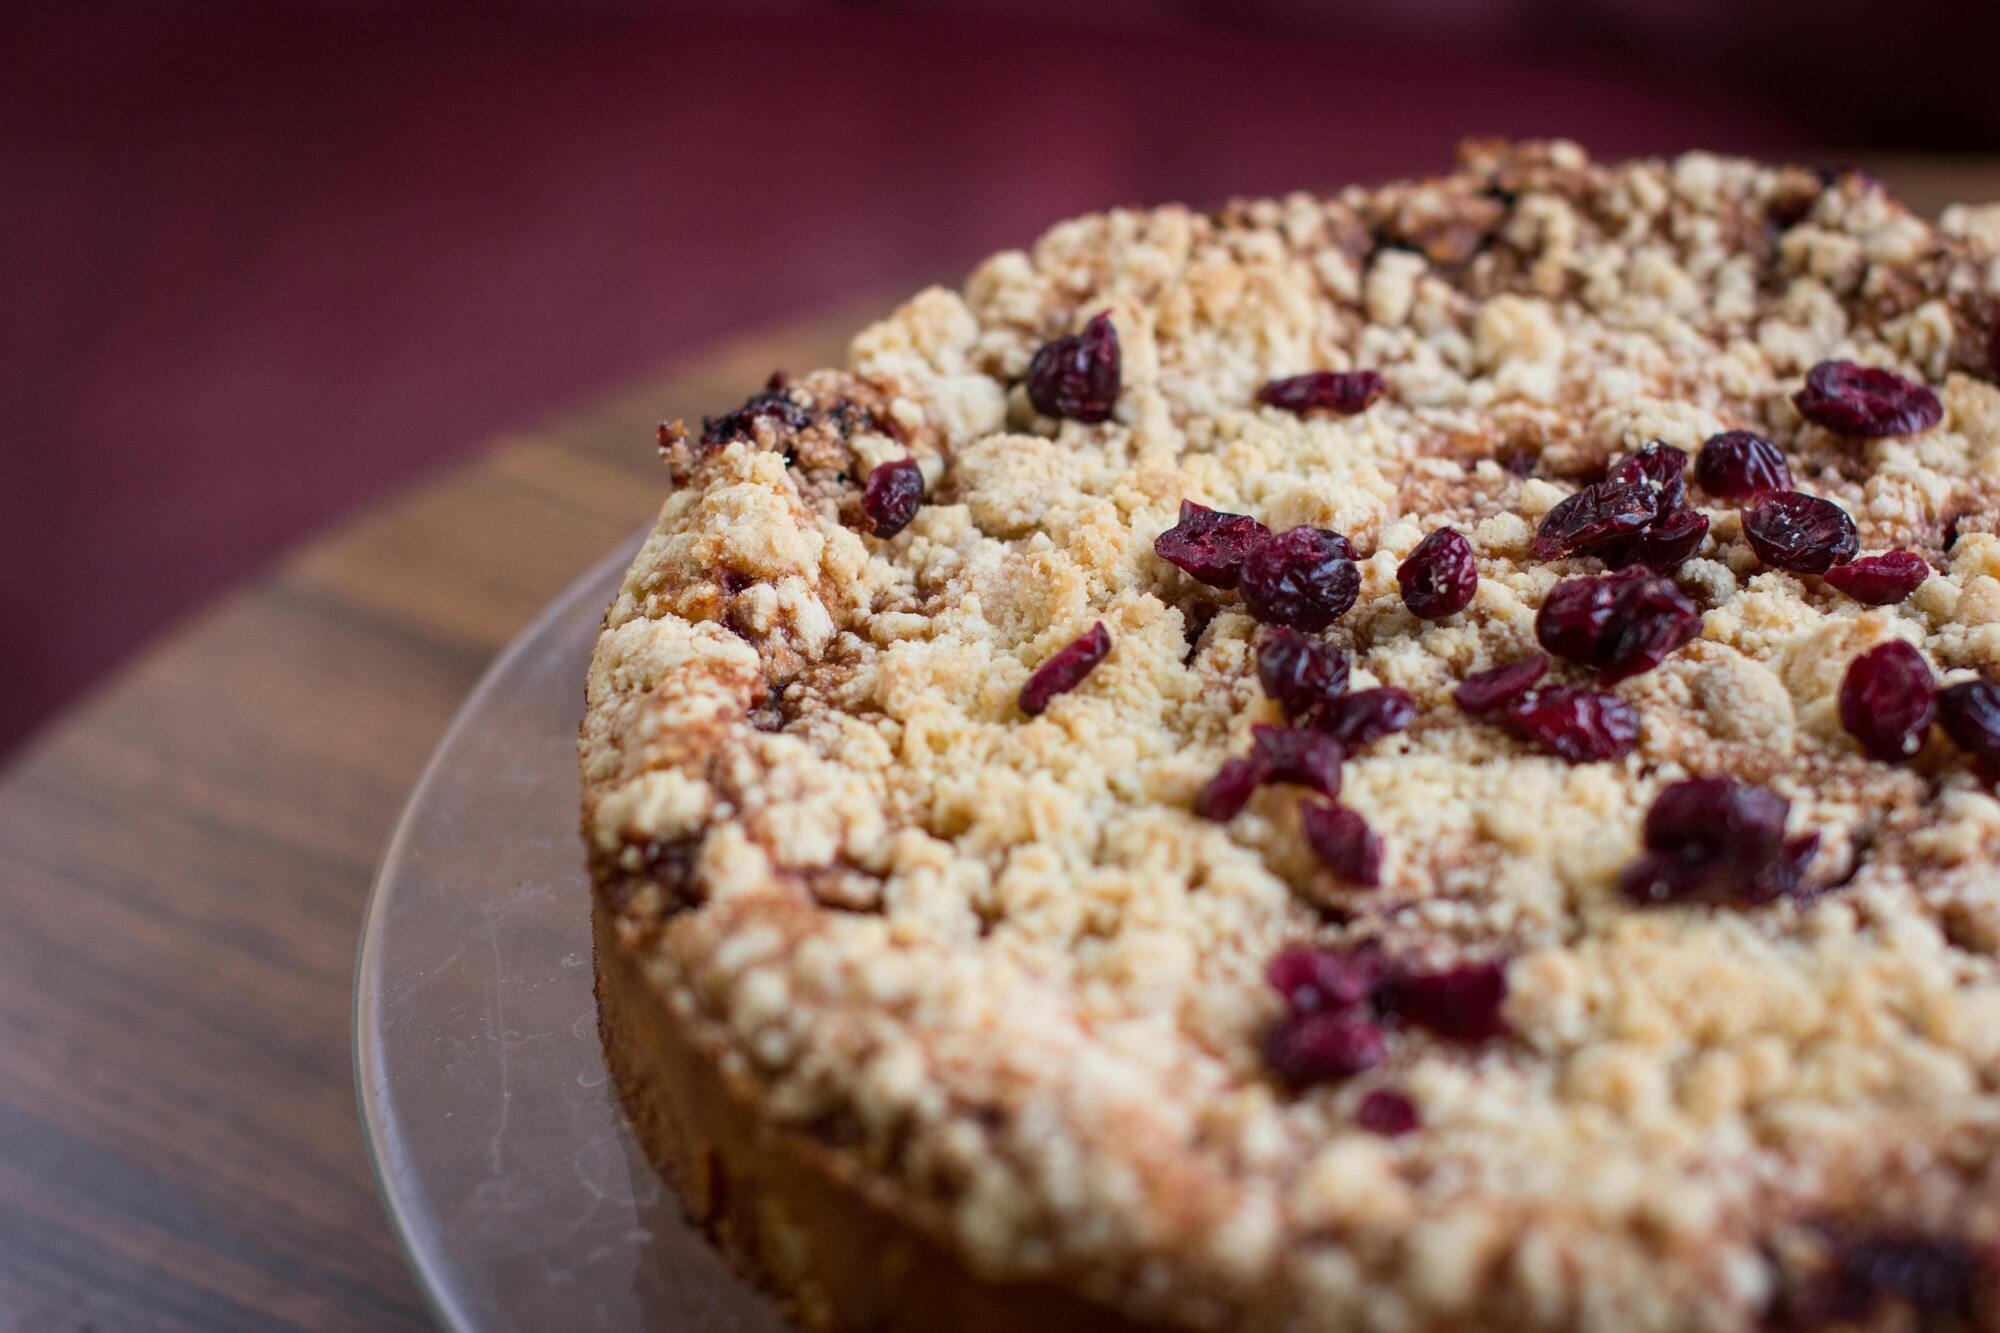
(1003, 960)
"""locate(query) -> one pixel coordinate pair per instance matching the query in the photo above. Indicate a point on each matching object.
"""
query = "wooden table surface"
(187, 856)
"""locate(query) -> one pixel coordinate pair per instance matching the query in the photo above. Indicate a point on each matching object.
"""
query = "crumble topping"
(1005, 961)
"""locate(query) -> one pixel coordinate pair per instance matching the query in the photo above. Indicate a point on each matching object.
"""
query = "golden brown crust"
(804, 1221)
(996, 968)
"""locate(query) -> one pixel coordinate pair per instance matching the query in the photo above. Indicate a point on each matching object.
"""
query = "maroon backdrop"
(266, 266)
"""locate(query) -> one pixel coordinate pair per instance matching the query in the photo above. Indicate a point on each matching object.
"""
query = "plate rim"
(385, 1158)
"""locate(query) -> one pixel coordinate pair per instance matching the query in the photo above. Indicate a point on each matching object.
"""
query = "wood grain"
(187, 855)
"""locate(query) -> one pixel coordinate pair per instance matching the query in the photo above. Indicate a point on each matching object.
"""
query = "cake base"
(799, 1219)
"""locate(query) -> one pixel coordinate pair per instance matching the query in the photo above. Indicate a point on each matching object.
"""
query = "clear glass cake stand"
(519, 1195)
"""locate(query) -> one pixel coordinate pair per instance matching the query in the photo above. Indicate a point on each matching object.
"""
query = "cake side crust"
(789, 1214)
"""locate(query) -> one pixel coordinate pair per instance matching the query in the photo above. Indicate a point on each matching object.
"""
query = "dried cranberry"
(1303, 578)
(1880, 580)
(1223, 797)
(1345, 392)
(1462, 1003)
(1388, 1113)
(1573, 724)
(1802, 533)
(1932, 1275)
(1785, 877)
(1439, 578)
(1637, 515)
(1865, 401)
(1658, 465)
(1321, 1047)
(1363, 716)
(1731, 818)
(772, 404)
(1210, 544)
(1077, 376)
(891, 497)
(1299, 670)
(1333, 997)
(1970, 714)
(1483, 691)
(1622, 624)
(1737, 464)
(1066, 670)
(1342, 840)
(1938, 1280)
(1595, 517)
(1888, 699)
(1709, 839)
(1312, 978)
(1664, 547)
(1290, 754)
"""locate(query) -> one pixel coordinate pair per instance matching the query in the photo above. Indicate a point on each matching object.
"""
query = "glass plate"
(519, 1195)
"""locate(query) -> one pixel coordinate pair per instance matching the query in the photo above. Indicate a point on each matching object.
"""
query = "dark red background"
(262, 266)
